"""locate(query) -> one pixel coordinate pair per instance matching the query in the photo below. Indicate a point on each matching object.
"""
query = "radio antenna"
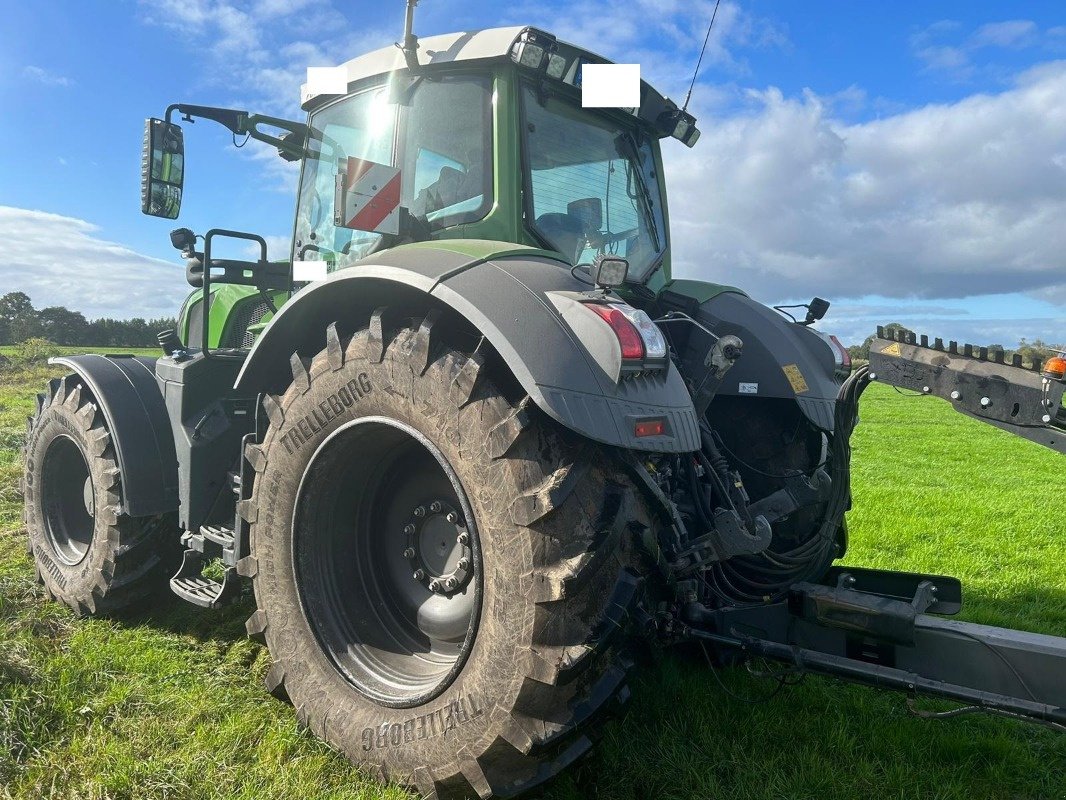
(688, 96)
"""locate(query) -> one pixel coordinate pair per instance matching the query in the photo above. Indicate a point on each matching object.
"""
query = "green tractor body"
(471, 439)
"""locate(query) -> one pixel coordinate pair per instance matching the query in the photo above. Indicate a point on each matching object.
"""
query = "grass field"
(170, 703)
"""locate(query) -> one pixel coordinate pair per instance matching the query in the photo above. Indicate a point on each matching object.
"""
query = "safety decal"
(371, 197)
(748, 388)
(892, 350)
(795, 378)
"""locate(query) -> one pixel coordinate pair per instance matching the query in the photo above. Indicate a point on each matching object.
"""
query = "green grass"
(170, 703)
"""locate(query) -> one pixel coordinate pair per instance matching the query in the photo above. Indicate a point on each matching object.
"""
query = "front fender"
(127, 393)
(502, 294)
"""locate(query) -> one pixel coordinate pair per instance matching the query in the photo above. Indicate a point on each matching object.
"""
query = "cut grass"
(169, 703)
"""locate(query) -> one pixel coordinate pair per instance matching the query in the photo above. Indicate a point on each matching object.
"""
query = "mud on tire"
(87, 553)
(557, 571)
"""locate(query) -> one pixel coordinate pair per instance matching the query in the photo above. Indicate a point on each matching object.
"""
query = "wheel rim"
(67, 500)
(388, 563)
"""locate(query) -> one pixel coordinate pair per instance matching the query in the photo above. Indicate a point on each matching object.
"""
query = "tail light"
(642, 343)
(628, 336)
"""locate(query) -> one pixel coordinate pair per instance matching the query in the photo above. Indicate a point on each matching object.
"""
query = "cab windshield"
(591, 186)
(441, 143)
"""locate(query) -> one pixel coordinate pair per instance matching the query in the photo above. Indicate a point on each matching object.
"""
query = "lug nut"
(956, 395)
(409, 552)
(418, 575)
(434, 586)
(452, 517)
(464, 563)
(451, 583)
(420, 512)
(463, 538)
(408, 529)
(985, 402)
(925, 389)
(434, 507)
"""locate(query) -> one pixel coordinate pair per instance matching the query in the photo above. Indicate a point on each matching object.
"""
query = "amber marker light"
(1055, 368)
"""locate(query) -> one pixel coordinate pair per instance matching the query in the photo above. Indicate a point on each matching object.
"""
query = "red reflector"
(626, 331)
(652, 427)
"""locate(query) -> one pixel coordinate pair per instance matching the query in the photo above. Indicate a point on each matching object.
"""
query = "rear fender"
(502, 295)
(126, 392)
(781, 359)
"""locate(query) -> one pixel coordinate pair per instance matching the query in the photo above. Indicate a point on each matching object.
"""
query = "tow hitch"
(872, 626)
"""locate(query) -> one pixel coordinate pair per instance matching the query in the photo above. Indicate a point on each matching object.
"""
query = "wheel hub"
(437, 546)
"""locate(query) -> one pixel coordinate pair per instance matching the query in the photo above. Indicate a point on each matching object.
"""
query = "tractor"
(472, 446)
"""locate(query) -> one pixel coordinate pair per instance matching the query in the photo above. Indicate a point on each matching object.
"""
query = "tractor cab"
(488, 140)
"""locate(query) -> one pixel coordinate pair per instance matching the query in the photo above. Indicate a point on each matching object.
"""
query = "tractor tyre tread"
(574, 570)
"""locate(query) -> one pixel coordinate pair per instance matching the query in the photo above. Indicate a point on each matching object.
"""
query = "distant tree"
(18, 319)
(1036, 350)
(63, 326)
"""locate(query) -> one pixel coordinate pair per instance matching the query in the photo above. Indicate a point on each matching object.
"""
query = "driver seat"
(566, 234)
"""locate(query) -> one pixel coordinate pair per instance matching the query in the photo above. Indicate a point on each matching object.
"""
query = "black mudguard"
(126, 392)
(504, 297)
(781, 358)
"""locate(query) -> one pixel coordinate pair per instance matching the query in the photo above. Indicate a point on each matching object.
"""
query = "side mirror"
(162, 169)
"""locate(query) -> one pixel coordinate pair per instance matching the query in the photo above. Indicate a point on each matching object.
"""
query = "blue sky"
(906, 161)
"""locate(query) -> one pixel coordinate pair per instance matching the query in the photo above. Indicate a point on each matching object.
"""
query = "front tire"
(491, 685)
(87, 553)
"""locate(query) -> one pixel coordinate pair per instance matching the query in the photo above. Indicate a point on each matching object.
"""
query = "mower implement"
(1026, 400)
(469, 441)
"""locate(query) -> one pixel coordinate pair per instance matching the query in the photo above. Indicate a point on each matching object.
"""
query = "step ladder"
(210, 542)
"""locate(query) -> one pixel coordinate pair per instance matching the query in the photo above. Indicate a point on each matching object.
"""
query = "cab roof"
(446, 48)
(499, 44)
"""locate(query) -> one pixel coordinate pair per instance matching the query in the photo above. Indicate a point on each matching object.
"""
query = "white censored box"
(327, 80)
(610, 85)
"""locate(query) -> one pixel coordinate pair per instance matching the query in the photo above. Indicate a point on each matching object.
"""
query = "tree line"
(20, 321)
(1029, 351)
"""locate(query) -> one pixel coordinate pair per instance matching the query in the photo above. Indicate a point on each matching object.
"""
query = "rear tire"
(87, 553)
(553, 573)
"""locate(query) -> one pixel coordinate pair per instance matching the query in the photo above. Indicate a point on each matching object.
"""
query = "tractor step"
(190, 584)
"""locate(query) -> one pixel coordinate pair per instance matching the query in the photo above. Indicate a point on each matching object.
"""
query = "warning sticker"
(748, 388)
(892, 350)
(795, 378)
(371, 197)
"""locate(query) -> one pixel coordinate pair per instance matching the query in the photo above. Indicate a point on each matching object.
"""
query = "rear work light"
(638, 336)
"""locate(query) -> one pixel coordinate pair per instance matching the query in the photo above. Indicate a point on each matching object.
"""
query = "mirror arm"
(242, 123)
(229, 118)
(293, 148)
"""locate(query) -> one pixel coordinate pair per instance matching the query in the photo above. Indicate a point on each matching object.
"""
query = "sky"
(905, 161)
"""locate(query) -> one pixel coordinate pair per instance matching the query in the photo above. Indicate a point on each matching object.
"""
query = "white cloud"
(59, 260)
(43, 76)
(938, 202)
(942, 51)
